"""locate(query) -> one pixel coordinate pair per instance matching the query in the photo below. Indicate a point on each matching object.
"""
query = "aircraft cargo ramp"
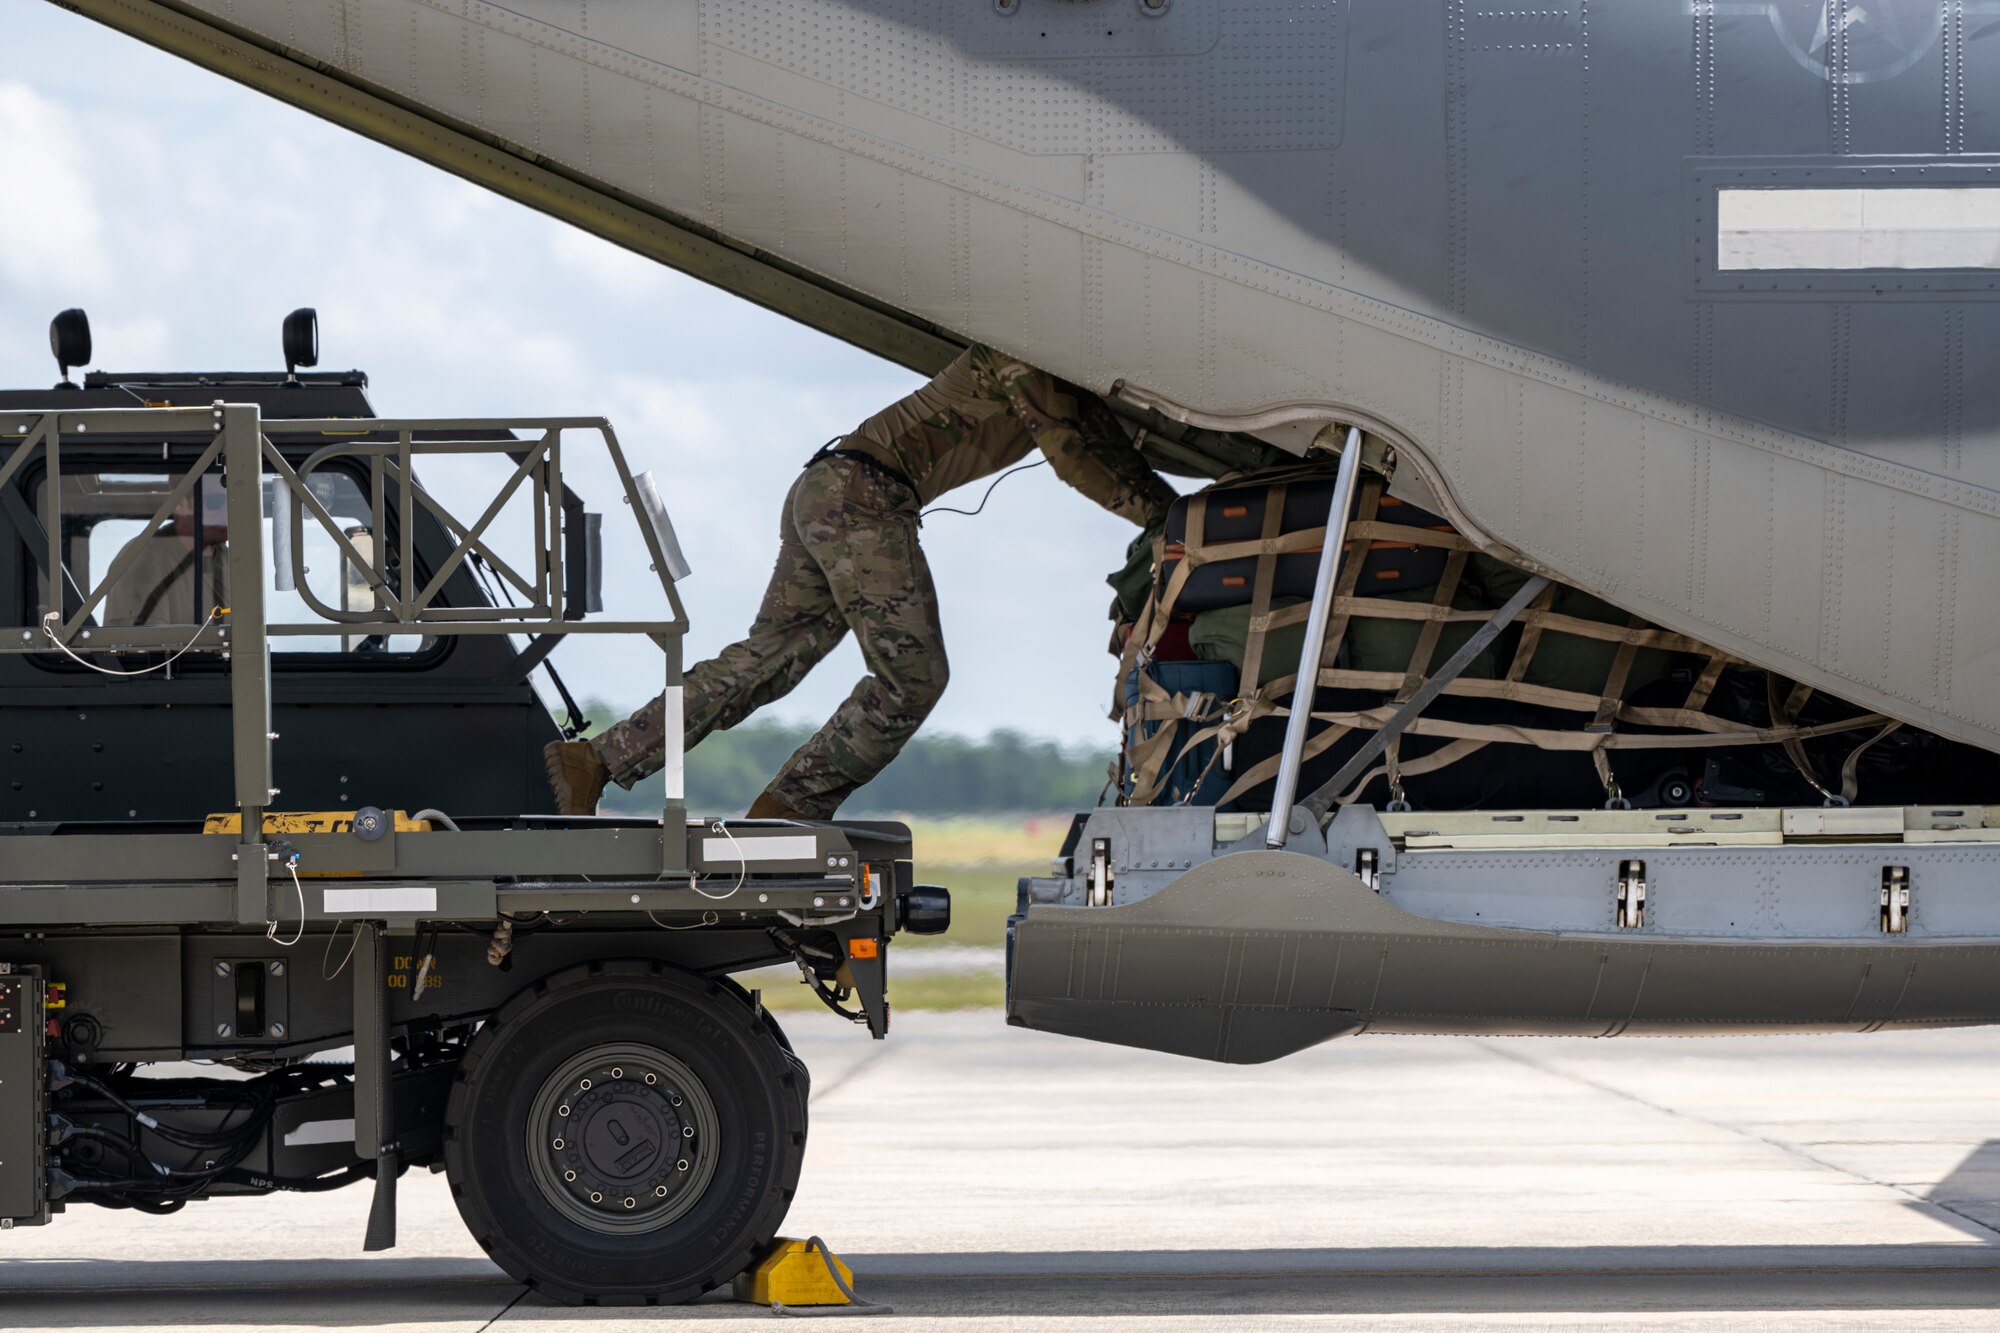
(1681, 304)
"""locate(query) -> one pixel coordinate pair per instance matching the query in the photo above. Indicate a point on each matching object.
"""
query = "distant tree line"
(1003, 773)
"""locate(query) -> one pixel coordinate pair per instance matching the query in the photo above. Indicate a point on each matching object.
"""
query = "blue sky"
(188, 215)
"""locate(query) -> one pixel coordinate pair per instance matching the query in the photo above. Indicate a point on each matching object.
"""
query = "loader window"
(175, 573)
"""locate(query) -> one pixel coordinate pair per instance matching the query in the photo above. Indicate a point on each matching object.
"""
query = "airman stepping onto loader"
(849, 558)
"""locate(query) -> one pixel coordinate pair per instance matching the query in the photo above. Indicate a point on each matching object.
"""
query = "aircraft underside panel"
(1521, 243)
(1249, 955)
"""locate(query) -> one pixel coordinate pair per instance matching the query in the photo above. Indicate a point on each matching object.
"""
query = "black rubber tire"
(756, 1085)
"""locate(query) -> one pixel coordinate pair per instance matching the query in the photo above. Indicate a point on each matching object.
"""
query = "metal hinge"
(1367, 868)
(1631, 894)
(1099, 894)
(1895, 900)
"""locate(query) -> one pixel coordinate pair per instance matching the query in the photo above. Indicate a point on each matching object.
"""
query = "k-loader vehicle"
(274, 790)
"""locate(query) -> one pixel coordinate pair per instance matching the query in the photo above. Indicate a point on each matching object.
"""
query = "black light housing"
(69, 341)
(301, 337)
(924, 910)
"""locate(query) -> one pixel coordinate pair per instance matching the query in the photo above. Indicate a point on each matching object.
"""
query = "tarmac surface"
(979, 1177)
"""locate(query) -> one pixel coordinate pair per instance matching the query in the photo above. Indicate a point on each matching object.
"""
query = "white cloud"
(50, 229)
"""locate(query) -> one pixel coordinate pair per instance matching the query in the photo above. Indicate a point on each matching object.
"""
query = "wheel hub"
(622, 1138)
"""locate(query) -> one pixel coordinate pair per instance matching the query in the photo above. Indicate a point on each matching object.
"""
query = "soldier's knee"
(919, 691)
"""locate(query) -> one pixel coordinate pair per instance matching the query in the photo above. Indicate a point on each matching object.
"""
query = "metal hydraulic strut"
(1300, 721)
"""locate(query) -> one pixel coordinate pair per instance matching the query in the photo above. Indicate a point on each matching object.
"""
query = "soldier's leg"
(798, 623)
(883, 587)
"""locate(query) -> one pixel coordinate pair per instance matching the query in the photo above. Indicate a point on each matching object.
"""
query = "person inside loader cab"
(849, 559)
(158, 588)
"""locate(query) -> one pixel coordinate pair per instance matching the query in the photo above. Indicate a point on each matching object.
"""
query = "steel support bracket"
(1895, 903)
(1631, 901)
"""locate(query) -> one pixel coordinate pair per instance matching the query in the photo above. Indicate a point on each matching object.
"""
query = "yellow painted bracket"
(793, 1273)
(307, 821)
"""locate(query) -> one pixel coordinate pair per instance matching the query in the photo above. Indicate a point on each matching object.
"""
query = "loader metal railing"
(235, 438)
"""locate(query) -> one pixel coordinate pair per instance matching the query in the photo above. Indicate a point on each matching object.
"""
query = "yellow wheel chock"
(796, 1276)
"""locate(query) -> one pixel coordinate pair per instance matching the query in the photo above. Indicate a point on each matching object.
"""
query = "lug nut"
(559, 1144)
(562, 1110)
(681, 1165)
(660, 1191)
(595, 1197)
(569, 1175)
(652, 1079)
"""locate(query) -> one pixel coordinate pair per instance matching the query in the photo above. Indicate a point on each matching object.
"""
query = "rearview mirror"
(663, 527)
(583, 565)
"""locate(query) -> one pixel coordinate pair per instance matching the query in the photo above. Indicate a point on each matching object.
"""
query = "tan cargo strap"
(1260, 594)
(1425, 652)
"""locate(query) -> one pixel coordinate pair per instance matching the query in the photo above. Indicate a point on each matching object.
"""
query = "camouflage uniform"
(848, 558)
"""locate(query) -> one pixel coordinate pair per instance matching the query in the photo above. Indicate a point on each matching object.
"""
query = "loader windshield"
(175, 571)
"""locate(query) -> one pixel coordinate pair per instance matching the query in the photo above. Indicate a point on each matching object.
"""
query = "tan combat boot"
(576, 775)
(767, 806)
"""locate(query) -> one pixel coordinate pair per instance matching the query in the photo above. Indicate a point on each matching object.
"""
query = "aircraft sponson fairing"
(1679, 302)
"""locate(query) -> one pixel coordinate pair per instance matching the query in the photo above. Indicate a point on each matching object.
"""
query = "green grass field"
(980, 859)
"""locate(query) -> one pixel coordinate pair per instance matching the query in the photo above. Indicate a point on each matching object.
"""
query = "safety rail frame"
(236, 437)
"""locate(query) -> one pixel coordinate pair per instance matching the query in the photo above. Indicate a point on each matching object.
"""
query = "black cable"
(261, 1110)
(578, 723)
(827, 998)
(973, 513)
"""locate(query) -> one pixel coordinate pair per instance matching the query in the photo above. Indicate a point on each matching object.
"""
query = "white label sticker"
(1892, 227)
(760, 849)
(359, 902)
(672, 711)
(320, 1131)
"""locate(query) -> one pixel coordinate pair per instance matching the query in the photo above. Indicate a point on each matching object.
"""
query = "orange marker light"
(859, 948)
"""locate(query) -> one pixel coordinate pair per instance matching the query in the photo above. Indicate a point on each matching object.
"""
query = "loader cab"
(396, 721)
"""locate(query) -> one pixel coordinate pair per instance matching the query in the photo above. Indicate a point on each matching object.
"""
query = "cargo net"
(1209, 671)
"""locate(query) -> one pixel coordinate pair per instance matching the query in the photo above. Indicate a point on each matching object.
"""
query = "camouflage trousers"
(848, 559)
